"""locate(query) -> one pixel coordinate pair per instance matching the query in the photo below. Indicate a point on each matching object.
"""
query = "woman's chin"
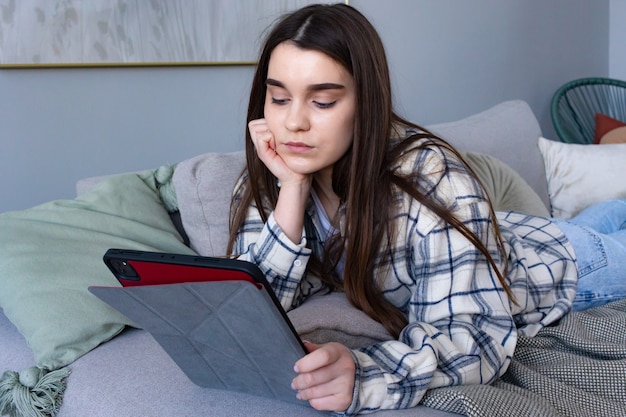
(300, 166)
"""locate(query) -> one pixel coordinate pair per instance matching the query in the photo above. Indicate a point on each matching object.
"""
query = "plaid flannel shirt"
(462, 326)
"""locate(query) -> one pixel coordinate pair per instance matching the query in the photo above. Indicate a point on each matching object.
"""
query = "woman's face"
(309, 108)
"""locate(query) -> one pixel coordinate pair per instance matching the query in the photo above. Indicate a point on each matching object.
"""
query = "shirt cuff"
(355, 406)
(276, 251)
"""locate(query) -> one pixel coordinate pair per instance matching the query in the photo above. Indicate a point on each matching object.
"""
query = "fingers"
(261, 135)
(319, 356)
(326, 377)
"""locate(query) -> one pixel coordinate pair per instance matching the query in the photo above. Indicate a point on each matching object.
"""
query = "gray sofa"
(130, 375)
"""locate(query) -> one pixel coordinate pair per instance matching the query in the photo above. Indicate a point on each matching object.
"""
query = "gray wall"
(458, 57)
(617, 40)
(59, 125)
(449, 59)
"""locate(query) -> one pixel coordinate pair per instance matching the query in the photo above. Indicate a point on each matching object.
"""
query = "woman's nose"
(297, 118)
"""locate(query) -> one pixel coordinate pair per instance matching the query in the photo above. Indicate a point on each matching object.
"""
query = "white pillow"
(581, 175)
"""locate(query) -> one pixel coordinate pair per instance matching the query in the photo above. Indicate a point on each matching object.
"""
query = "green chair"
(575, 104)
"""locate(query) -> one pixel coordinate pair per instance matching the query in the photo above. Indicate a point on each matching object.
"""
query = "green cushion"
(51, 253)
(506, 188)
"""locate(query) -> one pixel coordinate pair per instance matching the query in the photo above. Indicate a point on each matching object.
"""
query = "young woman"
(340, 193)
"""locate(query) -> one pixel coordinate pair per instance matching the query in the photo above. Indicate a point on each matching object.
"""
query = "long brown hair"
(363, 178)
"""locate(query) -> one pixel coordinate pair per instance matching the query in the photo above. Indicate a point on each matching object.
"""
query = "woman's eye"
(325, 105)
(279, 101)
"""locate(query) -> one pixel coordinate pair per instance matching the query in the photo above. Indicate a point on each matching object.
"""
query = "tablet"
(217, 318)
(134, 268)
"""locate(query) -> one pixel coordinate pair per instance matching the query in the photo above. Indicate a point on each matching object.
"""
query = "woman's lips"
(298, 147)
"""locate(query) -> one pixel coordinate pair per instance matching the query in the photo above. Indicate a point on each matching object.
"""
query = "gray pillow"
(331, 318)
(204, 186)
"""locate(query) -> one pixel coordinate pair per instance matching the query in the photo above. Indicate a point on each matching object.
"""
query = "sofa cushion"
(331, 318)
(204, 185)
(51, 253)
(581, 175)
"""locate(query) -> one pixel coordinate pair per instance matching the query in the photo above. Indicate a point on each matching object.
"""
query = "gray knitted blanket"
(577, 367)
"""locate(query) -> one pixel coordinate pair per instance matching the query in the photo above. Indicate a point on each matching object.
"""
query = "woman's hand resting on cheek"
(294, 187)
(265, 145)
(326, 377)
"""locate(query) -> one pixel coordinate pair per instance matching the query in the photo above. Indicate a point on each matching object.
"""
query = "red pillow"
(609, 130)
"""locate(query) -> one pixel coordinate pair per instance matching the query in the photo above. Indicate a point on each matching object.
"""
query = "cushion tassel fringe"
(33, 392)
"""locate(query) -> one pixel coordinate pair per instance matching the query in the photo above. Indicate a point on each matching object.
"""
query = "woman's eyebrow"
(312, 87)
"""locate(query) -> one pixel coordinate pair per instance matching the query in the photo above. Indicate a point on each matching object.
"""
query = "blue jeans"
(598, 235)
